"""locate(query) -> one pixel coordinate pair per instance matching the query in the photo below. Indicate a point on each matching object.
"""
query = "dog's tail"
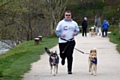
(47, 50)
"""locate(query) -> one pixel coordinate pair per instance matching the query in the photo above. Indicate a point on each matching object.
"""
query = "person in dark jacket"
(84, 27)
(105, 27)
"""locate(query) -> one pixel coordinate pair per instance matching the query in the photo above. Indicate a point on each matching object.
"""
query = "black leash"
(74, 48)
(80, 51)
(67, 44)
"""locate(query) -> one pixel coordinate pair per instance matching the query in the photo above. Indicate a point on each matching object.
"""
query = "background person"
(84, 27)
(113, 21)
(105, 27)
(97, 24)
(66, 30)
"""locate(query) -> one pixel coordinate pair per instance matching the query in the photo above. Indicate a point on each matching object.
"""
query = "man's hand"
(63, 35)
(74, 34)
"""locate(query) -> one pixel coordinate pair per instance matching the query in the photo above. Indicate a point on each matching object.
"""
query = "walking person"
(84, 27)
(105, 27)
(97, 24)
(113, 21)
(66, 30)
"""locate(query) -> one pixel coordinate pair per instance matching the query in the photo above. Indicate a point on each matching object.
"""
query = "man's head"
(68, 15)
(85, 18)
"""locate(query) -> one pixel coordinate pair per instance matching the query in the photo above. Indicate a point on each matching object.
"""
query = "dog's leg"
(95, 69)
(92, 70)
(90, 67)
(90, 64)
(54, 70)
(51, 69)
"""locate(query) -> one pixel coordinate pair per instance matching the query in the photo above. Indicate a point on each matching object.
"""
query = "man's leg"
(62, 55)
(86, 32)
(105, 33)
(83, 31)
(70, 56)
(102, 33)
(97, 30)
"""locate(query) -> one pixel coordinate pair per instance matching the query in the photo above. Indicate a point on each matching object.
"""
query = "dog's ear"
(47, 50)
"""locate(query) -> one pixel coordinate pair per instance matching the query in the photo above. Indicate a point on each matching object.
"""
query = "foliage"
(108, 12)
(106, 9)
(115, 38)
(16, 62)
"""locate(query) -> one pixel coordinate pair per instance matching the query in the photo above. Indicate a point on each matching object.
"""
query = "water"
(3, 47)
(3, 50)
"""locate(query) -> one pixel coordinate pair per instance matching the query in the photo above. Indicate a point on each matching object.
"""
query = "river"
(5, 46)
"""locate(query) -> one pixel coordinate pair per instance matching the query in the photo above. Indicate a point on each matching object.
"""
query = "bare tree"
(56, 9)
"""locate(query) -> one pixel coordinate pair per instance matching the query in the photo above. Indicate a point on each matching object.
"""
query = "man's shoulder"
(61, 21)
(73, 21)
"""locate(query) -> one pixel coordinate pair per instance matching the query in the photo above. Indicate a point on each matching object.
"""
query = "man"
(98, 25)
(66, 30)
(84, 27)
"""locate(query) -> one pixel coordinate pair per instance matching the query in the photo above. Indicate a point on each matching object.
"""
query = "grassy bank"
(115, 37)
(16, 62)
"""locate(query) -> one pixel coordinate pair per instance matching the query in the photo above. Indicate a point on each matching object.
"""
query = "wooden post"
(40, 38)
(36, 41)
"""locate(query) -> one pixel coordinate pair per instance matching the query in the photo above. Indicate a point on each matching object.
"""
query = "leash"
(65, 48)
(67, 44)
(80, 51)
(74, 48)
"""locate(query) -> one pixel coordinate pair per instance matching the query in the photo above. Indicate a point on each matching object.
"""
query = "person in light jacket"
(66, 30)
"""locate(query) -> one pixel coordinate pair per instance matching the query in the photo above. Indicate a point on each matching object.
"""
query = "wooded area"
(23, 20)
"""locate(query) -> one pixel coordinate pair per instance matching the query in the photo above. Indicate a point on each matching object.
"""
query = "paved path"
(108, 62)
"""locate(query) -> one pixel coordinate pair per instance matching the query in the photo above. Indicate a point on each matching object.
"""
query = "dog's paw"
(95, 75)
(89, 70)
(91, 73)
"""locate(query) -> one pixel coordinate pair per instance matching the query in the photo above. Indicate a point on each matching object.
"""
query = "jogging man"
(66, 30)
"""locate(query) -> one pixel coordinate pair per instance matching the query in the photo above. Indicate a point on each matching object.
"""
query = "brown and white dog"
(92, 31)
(93, 61)
(53, 60)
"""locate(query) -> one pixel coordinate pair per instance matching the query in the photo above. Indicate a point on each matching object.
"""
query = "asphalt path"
(108, 67)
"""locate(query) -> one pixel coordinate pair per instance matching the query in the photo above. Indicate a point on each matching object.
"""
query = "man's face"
(67, 16)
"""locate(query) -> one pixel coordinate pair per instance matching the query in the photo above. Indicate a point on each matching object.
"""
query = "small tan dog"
(93, 61)
(92, 31)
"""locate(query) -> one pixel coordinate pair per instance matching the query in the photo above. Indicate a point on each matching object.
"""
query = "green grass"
(16, 62)
(115, 37)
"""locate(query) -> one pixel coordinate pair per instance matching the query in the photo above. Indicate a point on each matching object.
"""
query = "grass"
(16, 62)
(115, 37)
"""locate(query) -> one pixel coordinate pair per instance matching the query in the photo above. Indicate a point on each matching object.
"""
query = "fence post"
(36, 41)
(40, 38)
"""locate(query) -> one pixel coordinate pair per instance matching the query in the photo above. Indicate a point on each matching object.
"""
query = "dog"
(53, 60)
(93, 61)
(92, 31)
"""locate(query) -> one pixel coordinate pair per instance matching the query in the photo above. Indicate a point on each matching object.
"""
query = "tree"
(56, 10)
